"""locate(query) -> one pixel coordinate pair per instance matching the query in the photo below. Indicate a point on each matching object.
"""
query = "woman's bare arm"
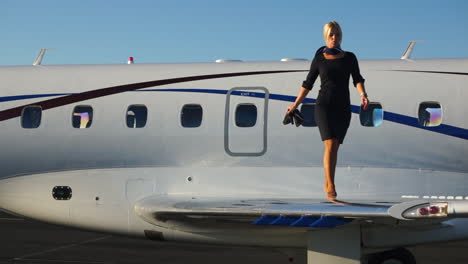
(363, 94)
(302, 94)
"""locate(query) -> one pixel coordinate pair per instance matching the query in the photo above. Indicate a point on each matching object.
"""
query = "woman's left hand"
(364, 102)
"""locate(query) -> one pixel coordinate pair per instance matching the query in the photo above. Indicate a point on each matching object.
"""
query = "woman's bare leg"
(330, 157)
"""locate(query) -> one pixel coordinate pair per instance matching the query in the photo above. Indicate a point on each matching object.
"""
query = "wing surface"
(292, 212)
(297, 212)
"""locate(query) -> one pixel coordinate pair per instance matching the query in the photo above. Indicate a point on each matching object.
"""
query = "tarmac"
(27, 241)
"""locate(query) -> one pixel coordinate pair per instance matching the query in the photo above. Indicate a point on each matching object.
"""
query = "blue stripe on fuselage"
(388, 116)
(28, 96)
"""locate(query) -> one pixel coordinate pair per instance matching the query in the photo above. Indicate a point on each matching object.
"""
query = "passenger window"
(373, 116)
(246, 115)
(308, 112)
(191, 115)
(430, 114)
(137, 116)
(31, 116)
(82, 116)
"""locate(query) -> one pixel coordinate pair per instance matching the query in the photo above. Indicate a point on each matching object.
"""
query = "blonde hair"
(329, 27)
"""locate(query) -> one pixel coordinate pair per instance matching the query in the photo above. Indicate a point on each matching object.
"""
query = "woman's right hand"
(291, 108)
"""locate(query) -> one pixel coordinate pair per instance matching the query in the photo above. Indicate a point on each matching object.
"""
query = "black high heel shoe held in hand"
(293, 117)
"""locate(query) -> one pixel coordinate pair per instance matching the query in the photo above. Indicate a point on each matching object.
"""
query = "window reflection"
(430, 114)
(372, 116)
(136, 116)
(82, 116)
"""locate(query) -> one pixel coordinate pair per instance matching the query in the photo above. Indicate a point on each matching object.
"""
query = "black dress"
(333, 107)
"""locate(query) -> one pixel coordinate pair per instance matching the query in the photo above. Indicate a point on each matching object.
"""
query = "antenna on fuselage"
(410, 48)
(38, 60)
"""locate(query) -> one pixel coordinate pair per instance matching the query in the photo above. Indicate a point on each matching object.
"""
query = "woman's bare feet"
(331, 192)
(331, 195)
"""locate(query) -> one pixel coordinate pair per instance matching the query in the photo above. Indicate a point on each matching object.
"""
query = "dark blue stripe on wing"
(302, 221)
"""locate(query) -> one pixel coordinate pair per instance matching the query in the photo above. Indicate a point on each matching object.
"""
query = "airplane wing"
(158, 210)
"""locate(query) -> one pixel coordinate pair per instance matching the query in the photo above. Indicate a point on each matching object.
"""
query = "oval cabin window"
(246, 115)
(430, 114)
(372, 116)
(136, 116)
(31, 117)
(191, 115)
(82, 116)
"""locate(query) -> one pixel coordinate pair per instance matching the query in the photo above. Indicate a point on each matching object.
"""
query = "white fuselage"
(109, 166)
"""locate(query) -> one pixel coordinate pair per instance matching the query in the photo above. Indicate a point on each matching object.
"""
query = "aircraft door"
(245, 126)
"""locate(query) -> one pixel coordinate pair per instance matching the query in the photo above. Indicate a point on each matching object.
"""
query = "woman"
(333, 107)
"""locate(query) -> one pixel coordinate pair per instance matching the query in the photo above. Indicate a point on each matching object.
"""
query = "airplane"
(197, 152)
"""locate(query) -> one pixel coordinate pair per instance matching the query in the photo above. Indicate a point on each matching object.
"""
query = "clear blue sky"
(108, 31)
